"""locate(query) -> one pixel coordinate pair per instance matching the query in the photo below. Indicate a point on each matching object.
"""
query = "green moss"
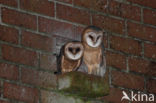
(84, 85)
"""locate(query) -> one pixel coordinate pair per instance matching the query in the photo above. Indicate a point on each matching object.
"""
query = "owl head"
(73, 50)
(92, 36)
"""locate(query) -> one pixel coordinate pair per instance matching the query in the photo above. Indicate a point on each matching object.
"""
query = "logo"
(137, 97)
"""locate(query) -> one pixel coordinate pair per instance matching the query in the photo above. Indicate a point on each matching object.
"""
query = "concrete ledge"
(53, 97)
(84, 85)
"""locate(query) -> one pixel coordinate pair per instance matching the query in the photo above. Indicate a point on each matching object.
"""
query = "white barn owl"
(94, 61)
(70, 57)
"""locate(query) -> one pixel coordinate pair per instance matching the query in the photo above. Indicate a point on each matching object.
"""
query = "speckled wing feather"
(103, 62)
(83, 67)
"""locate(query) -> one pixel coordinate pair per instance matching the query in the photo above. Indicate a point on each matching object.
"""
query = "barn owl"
(70, 57)
(94, 61)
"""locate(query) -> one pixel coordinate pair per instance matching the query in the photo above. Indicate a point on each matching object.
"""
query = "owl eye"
(98, 37)
(91, 37)
(70, 49)
(77, 49)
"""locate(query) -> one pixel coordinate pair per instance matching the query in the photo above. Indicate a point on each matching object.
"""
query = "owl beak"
(74, 52)
(94, 42)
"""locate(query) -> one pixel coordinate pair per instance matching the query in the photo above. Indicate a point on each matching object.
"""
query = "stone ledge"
(53, 97)
(83, 85)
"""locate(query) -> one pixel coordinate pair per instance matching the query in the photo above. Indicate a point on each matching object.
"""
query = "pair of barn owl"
(87, 55)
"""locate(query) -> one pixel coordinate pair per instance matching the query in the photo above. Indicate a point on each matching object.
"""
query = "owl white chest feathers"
(93, 57)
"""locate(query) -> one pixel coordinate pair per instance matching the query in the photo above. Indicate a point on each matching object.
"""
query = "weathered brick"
(40, 6)
(149, 3)
(59, 42)
(66, 1)
(37, 41)
(48, 62)
(108, 23)
(149, 16)
(138, 65)
(78, 32)
(99, 5)
(9, 2)
(57, 28)
(151, 69)
(38, 78)
(22, 93)
(18, 18)
(8, 34)
(141, 31)
(142, 66)
(1, 86)
(115, 96)
(150, 51)
(73, 14)
(116, 60)
(9, 71)
(127, 80)
(19, 55)
(3, 101)
(124, 10)
(113, 7)
(151, 84)
(125, 45)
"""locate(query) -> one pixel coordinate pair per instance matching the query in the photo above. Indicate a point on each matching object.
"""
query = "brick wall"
(32, 31)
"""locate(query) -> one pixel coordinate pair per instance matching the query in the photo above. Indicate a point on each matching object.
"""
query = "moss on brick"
(84, 85)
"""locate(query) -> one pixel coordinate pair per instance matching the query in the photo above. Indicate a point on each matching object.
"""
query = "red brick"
(9, 71)
(150, 51)
(142, 66)
(141, 31)
(98, 5)
(17, 18)
(57, 28)
(38, 78)
(3, 101)
(151, 84)
(9, 2)
(108, 23)
(151, 69)
(150, 16)
(78, 32)
(125, 45)
(149, 3)
(48, 62)
(127, 80)
(40, 6)
(22, 93)
(138, 65)
(66, 1)
(105, 41)
(19, 55)
(124, 10)
(8, 34)
(113, 7)
(73, 14)
(37, 41)
(1, 90)
(116, 60)
(115, 96)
